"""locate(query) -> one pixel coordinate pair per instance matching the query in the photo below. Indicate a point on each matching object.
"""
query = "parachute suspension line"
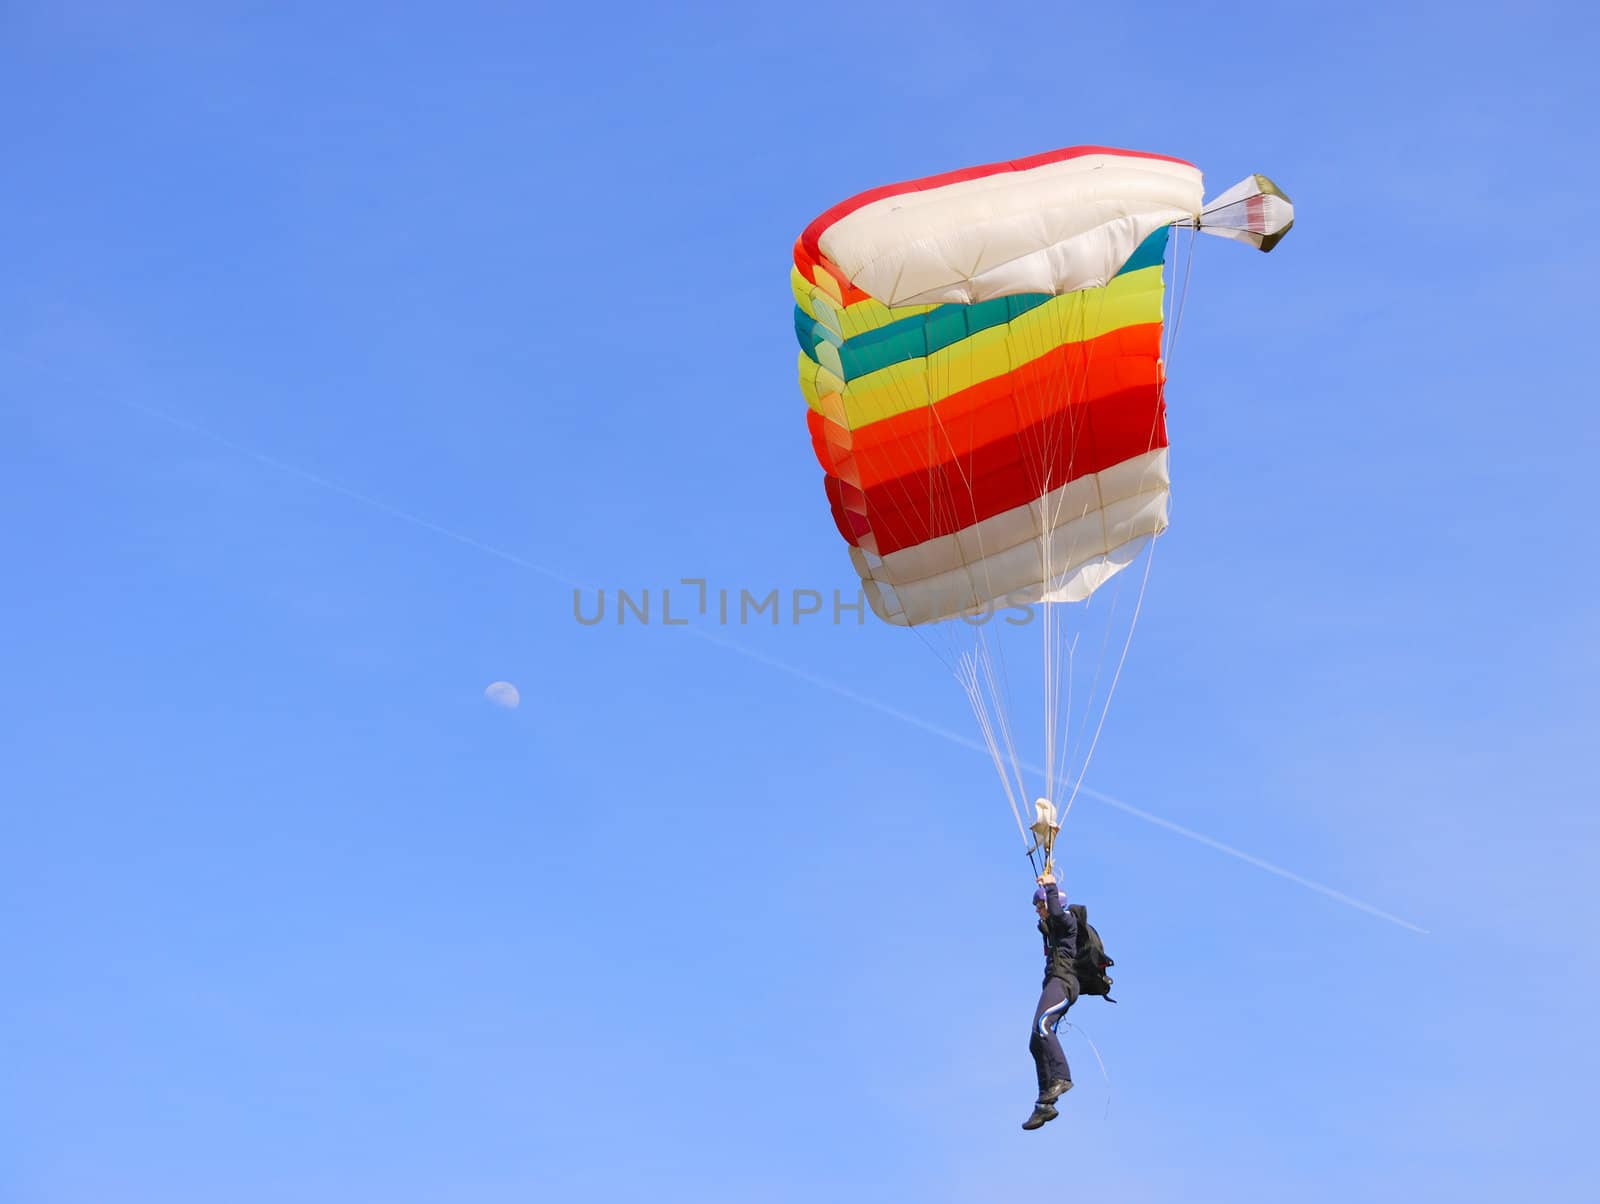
(944, 660)
(1057, 686)
(1175, 308)
(969, 680)
(1050, 688)
(988, 692)
(1050, 620)
(974, 668)
(1106, 629)
(1177, 298)
(1061, 666)
(1057, 431)
(998, 696)
(1061, 632)
(1060, 641)
(1048, 441)
(986, 695)
(1066, 723)
(967, 675)
(1149, 559)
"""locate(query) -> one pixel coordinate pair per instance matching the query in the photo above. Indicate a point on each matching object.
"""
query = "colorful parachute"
(982, 356)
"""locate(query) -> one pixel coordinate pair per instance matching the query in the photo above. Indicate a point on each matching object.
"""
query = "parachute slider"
(1044, 829)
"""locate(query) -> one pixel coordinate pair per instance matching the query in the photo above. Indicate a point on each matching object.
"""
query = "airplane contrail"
(1148, 817)
(759, 657)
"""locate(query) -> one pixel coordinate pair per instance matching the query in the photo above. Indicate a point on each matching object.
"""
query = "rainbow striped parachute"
(981, 353)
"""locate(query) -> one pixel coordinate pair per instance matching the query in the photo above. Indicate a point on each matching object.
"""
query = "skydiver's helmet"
(1040, 897)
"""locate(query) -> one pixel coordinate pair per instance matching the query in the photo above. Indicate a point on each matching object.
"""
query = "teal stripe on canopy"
(923, 334)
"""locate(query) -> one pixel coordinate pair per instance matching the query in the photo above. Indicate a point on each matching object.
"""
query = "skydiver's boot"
(1055, 1091)
(1041, 1114)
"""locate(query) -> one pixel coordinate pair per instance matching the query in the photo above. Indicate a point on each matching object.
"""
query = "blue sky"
(336, 343)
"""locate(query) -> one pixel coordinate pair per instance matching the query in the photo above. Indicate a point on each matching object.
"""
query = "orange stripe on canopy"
(998, 476)
(1025, 405)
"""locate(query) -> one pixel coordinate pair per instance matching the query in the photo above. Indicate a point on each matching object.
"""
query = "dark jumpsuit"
(1060, 931)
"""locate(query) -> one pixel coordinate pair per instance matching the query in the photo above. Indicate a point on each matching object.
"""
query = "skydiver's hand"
(1048, 878)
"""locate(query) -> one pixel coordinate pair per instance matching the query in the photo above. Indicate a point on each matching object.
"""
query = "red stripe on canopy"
(1085, 437)
(1024, 403)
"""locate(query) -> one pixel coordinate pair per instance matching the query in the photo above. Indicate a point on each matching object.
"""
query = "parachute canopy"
(981, 356)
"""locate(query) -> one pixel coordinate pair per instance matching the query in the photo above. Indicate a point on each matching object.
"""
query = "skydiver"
(1060, 992)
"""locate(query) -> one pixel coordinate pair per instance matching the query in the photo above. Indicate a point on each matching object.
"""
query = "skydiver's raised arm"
(1052, 894)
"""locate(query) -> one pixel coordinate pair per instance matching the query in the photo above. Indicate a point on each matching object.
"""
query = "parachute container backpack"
(983, 357)
(1091, 963)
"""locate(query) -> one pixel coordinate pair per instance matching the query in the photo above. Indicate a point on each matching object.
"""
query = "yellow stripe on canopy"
(1129, 300)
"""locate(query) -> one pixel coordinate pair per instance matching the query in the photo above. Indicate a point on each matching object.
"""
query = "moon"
(503, 694)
